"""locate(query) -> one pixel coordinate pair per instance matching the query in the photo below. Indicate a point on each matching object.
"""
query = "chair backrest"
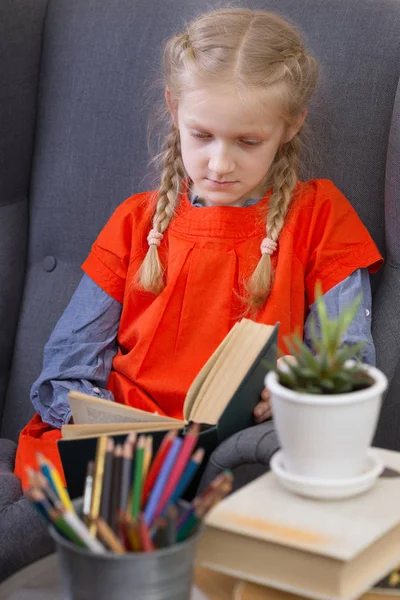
(76, 102)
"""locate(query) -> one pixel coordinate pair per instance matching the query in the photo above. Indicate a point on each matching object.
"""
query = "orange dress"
(208, 254)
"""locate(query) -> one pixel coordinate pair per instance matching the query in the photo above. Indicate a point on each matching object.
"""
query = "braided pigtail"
(151, 271)
(283, 174)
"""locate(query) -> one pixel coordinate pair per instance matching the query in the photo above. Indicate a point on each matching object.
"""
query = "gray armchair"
(73, 113)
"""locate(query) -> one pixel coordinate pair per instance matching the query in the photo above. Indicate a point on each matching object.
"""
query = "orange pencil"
(144, 534)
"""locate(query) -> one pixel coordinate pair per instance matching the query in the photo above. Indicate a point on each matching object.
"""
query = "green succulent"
(323, 370)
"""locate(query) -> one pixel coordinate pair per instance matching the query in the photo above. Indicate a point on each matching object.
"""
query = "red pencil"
(157, 464)
(183, 458)
(144, 535)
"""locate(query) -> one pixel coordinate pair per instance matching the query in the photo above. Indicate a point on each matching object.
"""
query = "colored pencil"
(107, 479)
(198, 512)
(97, 482)
(172, 518)
(160, 536)
(133, 535)
(186, 529)
(144, 535)
(188, 475)
(31, 494)
(157, 463)
(87, 493)
(148, 455)
(45, 470)
(182, 460)
(106, 534)
(126, 469)
(219, 487)
(162, 478)
(115, 487)
(62, 526)
(219, 479)
(52, 475)
(38, 480)
(137, 487)
(82, 532)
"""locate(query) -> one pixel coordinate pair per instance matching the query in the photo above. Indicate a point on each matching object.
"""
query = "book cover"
(76, 453)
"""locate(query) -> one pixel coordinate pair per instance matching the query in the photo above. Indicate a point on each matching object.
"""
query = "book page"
(233, 370)
(192, 394)
(203, 407)
(230, 370)
(71, 432)
(87, 410)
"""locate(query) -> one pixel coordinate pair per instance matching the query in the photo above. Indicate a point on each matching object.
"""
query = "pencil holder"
(164, 574)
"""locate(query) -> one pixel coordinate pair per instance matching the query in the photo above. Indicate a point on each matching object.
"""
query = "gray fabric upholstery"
(246, 454)
(21, 25)
(23, 534)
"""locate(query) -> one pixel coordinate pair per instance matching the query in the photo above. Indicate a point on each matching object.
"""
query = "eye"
(250, 142)
(200, 136)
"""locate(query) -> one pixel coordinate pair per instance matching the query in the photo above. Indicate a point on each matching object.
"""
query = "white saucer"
(329, 489)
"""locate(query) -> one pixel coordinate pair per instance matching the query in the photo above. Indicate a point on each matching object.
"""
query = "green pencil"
(60, 524)
(187, 527)
(138, 476)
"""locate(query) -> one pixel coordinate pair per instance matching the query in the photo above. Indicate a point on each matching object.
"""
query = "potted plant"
(325, 402)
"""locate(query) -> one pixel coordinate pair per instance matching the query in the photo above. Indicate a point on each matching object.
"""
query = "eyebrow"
(244, 134)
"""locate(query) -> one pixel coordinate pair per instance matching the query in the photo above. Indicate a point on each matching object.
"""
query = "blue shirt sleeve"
(79, 353)
(342, 295)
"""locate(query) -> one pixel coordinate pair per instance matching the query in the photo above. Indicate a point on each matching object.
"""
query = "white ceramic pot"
(326, 436)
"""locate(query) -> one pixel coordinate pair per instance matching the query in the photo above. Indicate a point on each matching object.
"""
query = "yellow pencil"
(97, 482)
(148, 454)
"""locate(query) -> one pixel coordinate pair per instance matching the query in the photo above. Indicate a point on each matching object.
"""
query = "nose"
(220, 162)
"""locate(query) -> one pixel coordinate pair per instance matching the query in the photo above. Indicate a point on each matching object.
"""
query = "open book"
(223, 394)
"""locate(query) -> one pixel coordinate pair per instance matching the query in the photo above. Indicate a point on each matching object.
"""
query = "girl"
(230, 229)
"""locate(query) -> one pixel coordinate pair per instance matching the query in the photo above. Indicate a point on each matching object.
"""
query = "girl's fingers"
(262, 412)
(265, 395)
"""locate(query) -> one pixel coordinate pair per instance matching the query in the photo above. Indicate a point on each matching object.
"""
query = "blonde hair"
(256, 50)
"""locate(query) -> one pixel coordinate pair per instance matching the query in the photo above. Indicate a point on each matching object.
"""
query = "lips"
(224, 181)
(214, 181)
(221, 184)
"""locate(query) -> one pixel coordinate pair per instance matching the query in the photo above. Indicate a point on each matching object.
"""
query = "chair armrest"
(240, 452)
(23, 534)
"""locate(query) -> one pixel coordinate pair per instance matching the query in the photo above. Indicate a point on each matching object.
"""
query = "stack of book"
(327, 550)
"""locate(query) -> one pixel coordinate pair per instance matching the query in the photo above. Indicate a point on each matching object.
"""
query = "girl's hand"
(263, 410)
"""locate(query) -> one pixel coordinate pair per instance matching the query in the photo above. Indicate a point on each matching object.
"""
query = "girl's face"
(228, 144)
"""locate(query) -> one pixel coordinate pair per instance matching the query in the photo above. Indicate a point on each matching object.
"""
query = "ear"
(172, 106)
(297, 125)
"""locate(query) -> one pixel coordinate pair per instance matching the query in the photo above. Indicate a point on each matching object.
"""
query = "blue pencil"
(46, 470)
(187, 476)
(161, 480)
